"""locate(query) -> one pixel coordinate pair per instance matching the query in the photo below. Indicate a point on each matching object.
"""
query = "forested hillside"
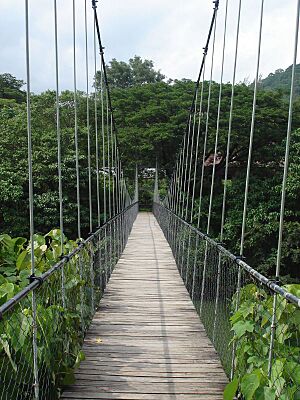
(281, 80)
(151, 115)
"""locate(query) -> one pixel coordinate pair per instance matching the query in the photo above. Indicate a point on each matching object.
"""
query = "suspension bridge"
(148, 306)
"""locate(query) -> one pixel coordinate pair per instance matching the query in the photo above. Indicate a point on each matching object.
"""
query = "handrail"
(39, 280)
(258, 276)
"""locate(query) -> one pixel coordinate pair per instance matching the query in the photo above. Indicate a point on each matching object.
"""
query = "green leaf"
(7, 289)
(69, 378)
(231, 389)
(250, 383)
(241, 327)
(80, 357)
(269, 394)
(265, 393)
(276, 373)
(23, 260)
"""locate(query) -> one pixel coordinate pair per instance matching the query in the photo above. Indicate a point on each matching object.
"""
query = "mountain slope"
(281, 79)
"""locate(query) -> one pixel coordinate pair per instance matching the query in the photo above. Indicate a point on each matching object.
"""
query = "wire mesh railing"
(43, 327)
(253, 323)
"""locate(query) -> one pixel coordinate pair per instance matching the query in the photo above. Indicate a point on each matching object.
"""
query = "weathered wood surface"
(146, 340)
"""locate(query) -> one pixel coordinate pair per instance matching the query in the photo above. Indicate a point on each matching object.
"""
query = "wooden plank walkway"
(146, 340)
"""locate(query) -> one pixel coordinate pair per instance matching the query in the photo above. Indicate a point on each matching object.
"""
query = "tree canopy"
(136, 72)
(10, 89)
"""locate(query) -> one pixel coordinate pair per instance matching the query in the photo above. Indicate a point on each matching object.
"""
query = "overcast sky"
(172, 33)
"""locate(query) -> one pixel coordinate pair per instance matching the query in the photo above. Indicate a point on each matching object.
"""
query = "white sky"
(170, 32)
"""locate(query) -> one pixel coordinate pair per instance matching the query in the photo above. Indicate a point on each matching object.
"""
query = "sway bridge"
(148, 306)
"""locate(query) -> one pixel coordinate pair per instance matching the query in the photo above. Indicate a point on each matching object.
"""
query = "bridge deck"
(146, 341)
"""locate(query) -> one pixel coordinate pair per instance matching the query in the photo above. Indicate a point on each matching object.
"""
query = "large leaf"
(241, 327)
(250, 384)
(231, 389)
(23, 260)
(7, 289)
(265, 393)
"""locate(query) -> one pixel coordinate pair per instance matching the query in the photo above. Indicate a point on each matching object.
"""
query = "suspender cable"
(230, 123)
(248, 175)
(108, 150)
(103, 146)
(284, 184)
(112, 165)
(188, 181)
(213, 21)
(173, 188)
(102, 58)
(180, 182)
(215, 150)
(187, 258)
(116, 176)
(218, 123)
(183, 147)
(251, 132)
(215, 157)
(206, 126)
(205, 141)
(226, 167)
(177, 180)
(186, 156)
(197, 143)
(96, 131)
(181, 160)
(59, 169)
(88, 116)
(183, 167)
(191, 155)
(104, 72)
(29, 138)
(76, 124)
(287, 149)
(31, 215)
(103, 143)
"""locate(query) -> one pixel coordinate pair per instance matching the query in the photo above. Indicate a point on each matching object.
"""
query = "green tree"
(134, 73)
(10, 89)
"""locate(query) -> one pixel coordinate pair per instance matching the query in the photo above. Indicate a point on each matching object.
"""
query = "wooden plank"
(146, 340)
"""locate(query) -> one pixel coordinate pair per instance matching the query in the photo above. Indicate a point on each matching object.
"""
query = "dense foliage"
(13, 166)
(251, 325)
(59, 339)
